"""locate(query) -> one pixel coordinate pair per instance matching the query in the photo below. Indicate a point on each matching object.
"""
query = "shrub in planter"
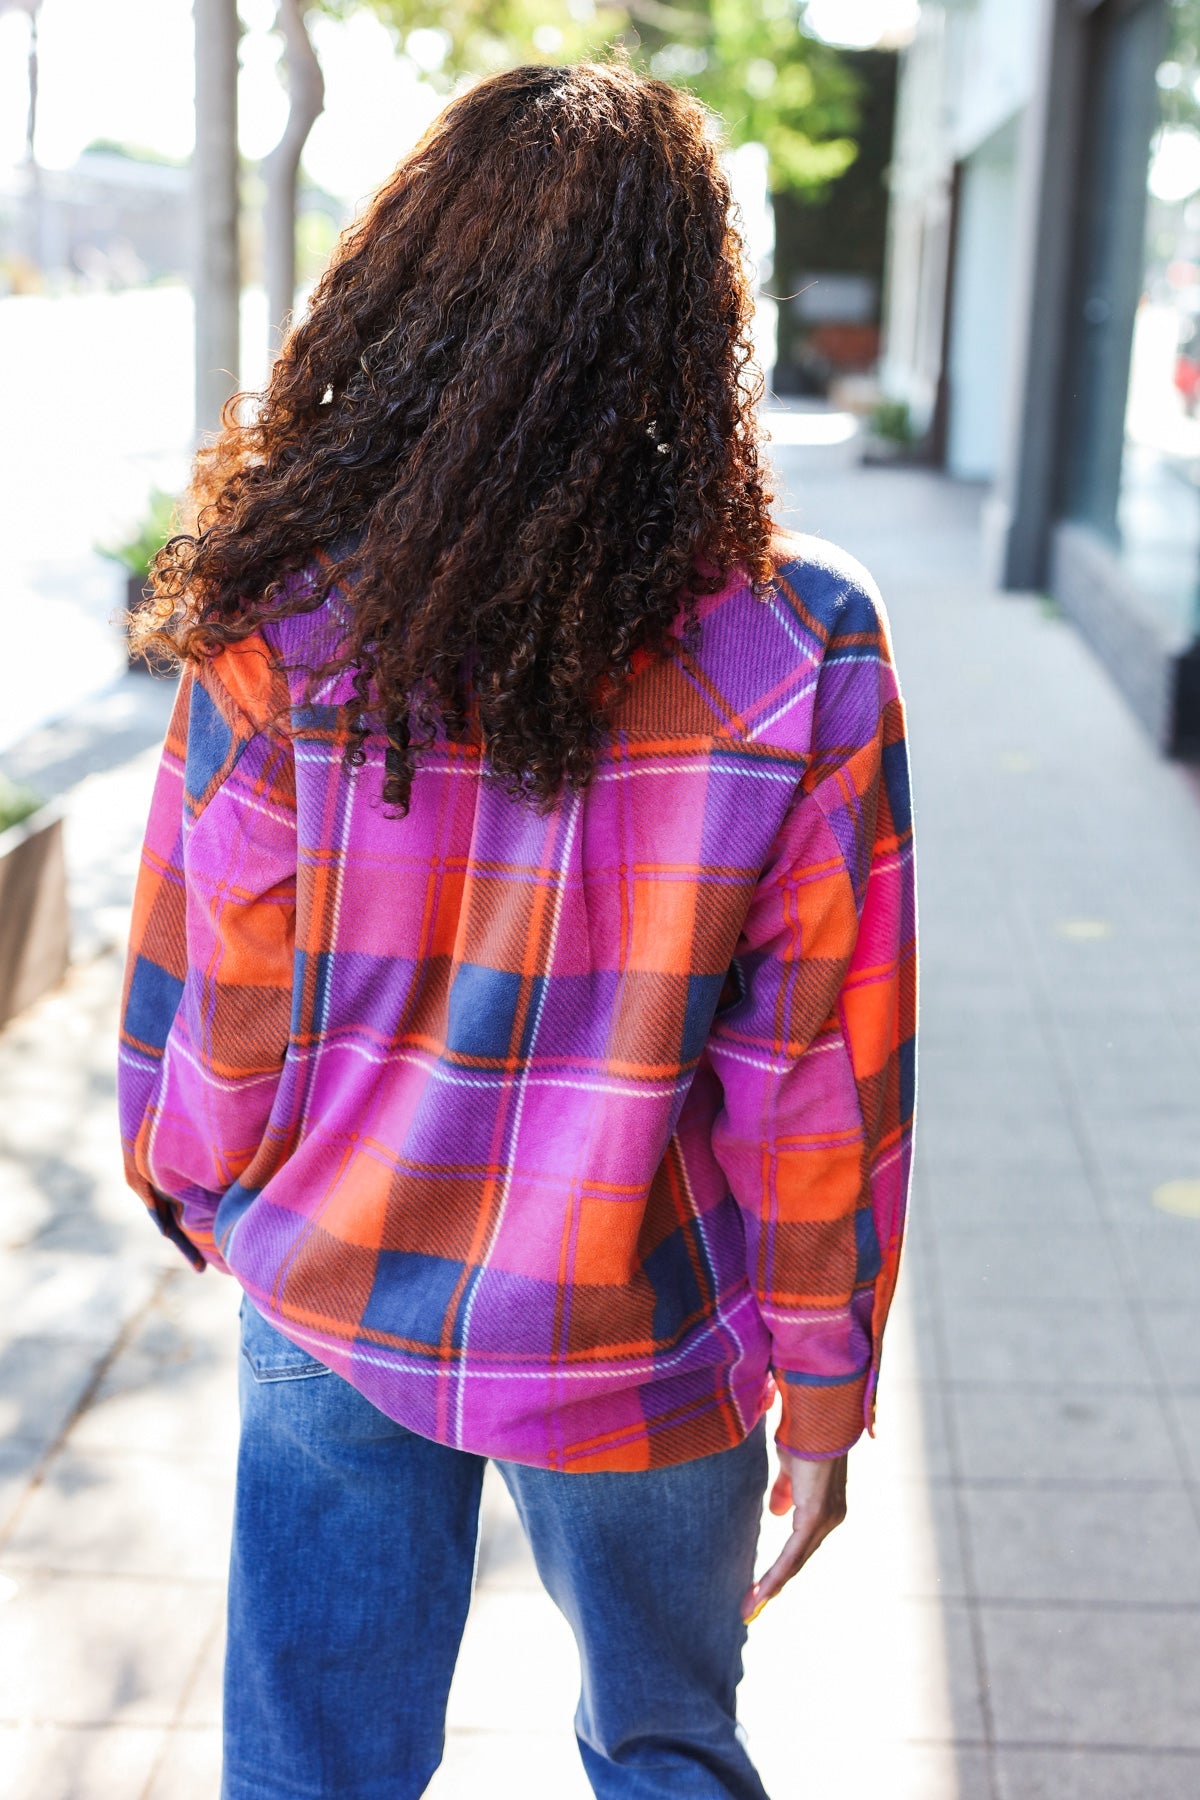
(890, 435)
(34, 919)
(892, 423)
(136, 552)
(16, 804)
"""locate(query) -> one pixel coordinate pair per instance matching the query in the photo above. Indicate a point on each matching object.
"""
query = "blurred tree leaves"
(748, 59)
(1179, 98)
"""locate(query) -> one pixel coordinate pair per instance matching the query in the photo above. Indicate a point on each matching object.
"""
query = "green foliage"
(891, 421)
(747, 59)
(136, 552)
(16, 803)
(1179, 103)
(774, 86)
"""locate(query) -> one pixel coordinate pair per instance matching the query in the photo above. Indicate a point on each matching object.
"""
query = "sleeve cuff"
(823, 1418)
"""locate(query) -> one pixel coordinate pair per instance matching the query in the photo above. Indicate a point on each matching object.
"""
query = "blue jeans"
(353, 1559)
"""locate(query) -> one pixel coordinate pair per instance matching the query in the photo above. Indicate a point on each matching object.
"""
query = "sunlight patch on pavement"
(1083, 931)
(1179, 1197)
(815, 428)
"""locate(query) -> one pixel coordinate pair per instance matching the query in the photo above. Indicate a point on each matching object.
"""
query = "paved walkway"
(1012, 1610)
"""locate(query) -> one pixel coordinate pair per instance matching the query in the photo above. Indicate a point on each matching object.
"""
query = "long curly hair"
(515, 430)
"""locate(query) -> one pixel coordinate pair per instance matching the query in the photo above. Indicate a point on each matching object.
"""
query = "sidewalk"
(1012, 1609)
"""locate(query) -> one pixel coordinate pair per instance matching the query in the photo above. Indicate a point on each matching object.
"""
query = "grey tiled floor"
(1012, 1610)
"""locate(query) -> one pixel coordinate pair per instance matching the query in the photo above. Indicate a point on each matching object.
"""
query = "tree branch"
(281, 166)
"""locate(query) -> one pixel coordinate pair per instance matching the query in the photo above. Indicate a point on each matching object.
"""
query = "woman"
(520, 1002)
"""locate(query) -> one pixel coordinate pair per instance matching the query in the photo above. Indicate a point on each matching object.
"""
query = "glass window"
(1158, 504)
(1133, 390)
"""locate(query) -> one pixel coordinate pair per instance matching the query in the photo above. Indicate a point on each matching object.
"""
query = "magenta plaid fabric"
(565, 1137)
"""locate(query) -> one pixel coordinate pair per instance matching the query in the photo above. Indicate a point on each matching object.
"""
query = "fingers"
(792, 1558)
(786, 1564)
(815, 1490)
(789, 1562)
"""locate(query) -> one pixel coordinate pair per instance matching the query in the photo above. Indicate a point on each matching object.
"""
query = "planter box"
(886, 453)
(35, 925)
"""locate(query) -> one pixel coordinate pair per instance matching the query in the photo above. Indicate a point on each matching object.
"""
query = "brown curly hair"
(515, 429)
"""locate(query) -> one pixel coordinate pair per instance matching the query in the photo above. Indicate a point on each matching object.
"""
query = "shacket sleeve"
(817, 1057)
(208, 980)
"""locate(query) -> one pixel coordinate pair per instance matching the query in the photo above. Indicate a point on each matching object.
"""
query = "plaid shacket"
(563, 1136)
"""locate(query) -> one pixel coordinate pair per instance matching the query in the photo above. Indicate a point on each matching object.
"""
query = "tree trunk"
(216, 283)
(281, 168)
(34, 246)
(31, 114)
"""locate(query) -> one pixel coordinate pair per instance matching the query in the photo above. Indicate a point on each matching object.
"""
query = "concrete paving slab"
(1018, 1066)
(860, 1768)
(1120, 1677)
(1074, 1433)
(1031, 1261)
(901, 1535)
(911, 1440)
(998, 1135)
(968, 975)
(42, 1381)
(63, 1762)
(987, 1191)
(509, 1766)
(1122, 1040)
(1122, 1081)
(57, 1130)
(1045, 1344)
(502, 1766)
(162, 1407)
(1133, 1163)
(203, 1701)
(1078, 1542)
(1184, 1409)
(829, 1667)
(127, 1513)
(518, 1670)
(72, 1296)
(1131, 1186)
(505, 1560)
(1095, 1775)
(173, 1385)
(19, 1459)
(913, 1353)
(1172, 1331)
(971, 1120)
(98, 1650)
(1162, 1253)
(189, 1767)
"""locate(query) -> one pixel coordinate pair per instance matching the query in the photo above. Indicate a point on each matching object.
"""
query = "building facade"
(1042, 310)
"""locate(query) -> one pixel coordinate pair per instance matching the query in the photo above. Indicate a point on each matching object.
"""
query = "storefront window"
(1158, 504)
(1133, 391)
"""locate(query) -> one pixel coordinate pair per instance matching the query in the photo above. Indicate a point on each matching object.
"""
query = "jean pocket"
(271, 1356)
